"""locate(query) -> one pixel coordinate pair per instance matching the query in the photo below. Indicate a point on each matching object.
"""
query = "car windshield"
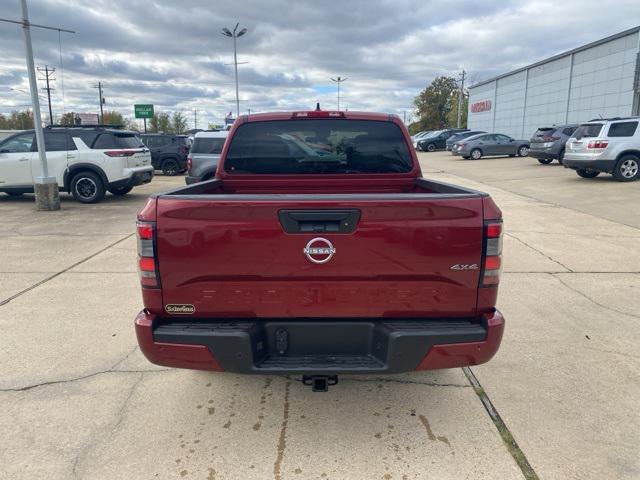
(543, 132)
(211, 145)
(588, 130)
(313, 146)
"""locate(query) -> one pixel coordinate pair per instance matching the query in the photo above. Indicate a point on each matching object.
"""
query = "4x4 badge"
(465, 266)
(180, 308)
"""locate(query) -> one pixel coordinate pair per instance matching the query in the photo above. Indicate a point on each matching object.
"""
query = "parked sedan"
(437, 139)
(459, 136)
(477, 146)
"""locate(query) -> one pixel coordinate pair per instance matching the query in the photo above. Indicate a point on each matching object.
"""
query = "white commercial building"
(601, 79)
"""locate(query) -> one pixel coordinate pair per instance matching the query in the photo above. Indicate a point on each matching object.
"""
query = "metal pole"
(47, 197)
(338, 93)
(145, 125)
(235, 63)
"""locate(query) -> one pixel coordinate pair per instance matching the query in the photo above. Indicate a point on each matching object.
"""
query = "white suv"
(87, 162)
(609, 145)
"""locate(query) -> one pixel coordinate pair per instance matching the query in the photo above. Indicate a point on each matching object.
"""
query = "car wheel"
(561, 157)
(170, 167)
(465, 157)
(586, 173)
(15, 194)
(523, 151)
(476, 154)
(627, 169)
(431, 147)
(87, 187)
(545, 161)
(120, 191)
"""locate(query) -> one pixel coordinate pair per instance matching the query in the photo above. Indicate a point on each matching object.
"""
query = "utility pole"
(338, 80)
(226, 32)
(461, 96)
(99, 87)
(195, 118)
(47, 76)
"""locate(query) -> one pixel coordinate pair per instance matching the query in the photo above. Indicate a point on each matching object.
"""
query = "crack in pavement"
(84, 451)
(77, 379)
(540, 252)
(112, 369)
(51, 277)
(595, 302)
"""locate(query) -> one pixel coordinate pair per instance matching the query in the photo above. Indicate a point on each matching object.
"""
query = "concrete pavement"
(80, 401)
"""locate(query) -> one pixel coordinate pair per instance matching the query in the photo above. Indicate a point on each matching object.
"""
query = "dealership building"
(601, 79)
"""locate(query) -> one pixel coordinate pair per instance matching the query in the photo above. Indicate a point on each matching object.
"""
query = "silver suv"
(609, 145)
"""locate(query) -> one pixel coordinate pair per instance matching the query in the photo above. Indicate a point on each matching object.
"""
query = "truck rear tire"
(170, 167)
(586, 173)
(627, 169)
(87, 187)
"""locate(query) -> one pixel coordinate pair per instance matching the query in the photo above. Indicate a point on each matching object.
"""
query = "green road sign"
(143, 111)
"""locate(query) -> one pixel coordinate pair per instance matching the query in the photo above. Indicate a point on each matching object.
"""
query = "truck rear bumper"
(327, 347)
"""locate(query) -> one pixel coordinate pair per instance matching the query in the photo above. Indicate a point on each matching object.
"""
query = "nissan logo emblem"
(319, 250)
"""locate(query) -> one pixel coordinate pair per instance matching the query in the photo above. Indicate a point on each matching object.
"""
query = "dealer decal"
(180, 308)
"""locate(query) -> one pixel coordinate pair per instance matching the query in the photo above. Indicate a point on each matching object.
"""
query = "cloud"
(173, 55)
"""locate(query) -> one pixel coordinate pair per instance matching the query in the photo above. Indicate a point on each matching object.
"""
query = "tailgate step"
(320, 362)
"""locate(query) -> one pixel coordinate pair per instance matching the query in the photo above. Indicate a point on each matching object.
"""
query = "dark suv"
(548, 143)
(168, 152)
(437, 139)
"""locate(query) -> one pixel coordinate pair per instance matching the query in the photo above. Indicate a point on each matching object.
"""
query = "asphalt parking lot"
(80, 401)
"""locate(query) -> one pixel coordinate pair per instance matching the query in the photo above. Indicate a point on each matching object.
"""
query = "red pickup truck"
(319, 249)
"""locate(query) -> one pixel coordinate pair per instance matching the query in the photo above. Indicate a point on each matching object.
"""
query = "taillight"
(548, 138)
(598, 144)
(147, 267)
(492, 265)
(121, 153)
(189, 163)
(184, 149)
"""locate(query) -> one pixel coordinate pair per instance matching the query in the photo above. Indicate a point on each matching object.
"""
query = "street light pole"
(338, 80)
(45, 187)
(235, 36)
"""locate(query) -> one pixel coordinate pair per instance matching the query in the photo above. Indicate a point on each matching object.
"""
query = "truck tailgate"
(232, 257)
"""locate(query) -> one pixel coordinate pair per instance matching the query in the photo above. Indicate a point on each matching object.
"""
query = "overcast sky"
(172, 54)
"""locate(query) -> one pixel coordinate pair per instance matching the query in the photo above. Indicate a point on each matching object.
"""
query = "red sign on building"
(483, 106)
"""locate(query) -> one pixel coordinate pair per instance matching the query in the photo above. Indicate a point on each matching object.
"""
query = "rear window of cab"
(318, 146)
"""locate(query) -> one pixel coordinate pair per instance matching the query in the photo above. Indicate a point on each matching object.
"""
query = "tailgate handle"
(319, 221)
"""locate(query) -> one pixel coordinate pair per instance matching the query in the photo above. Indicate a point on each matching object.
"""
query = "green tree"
(113, 118)
(178, 123)
(67, 118)
(17, 120)
(160, 123)
(435, 103)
